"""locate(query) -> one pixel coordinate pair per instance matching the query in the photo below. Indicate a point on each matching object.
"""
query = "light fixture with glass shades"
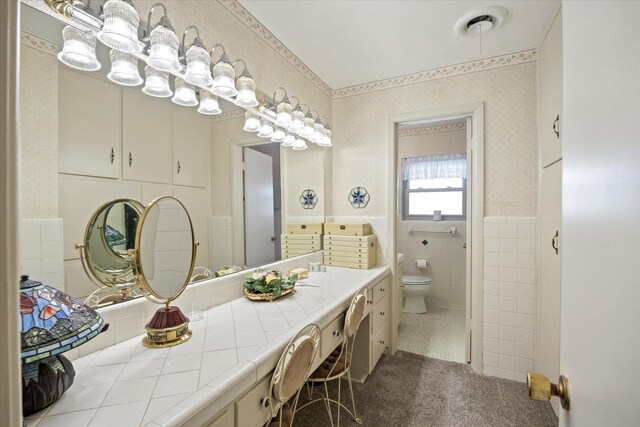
(156, 83)
(79, 50)
(163, 43)
(198, 60)
(224, 76)
(251, 121)
(208, 103)
(198, 72)
(185, 94)
(246, 96)
(124, 69)
(120, 29)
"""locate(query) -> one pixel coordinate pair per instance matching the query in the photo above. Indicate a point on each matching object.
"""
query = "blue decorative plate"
(359, 197)
(308, 199)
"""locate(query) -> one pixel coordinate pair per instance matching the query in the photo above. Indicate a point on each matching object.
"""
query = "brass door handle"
(540, 388)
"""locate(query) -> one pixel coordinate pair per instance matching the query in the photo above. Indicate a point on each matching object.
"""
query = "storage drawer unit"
(380, 290)
(334, 228)
(331, 336)
(380, 315)
(350, 251)
(253, 410)
(292, 245)
(313, 228)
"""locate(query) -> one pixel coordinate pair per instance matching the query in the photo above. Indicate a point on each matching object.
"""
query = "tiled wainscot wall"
(41, 250)
(510, 293)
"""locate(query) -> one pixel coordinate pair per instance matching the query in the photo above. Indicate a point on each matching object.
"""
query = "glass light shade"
(283, 116)
(185, 95)
(278, 135)
(266, 129)
(120, 28)
(289, 140)
(297, 121)
(163, 53)
(209, 103)
(246, 92)
(157, 83)
(299, 145)
(124, 69)
(251, 122)
(79, 50)
(307, 129)
(224, 80)
(326, 139)
(198, 67)
(318, 133)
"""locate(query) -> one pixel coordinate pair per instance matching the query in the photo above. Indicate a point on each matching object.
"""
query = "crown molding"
(38, 43)
(433, 129)
(254, 25)
(228, 115)
(440, 73)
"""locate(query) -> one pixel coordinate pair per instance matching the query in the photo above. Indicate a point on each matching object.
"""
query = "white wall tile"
(507, 362)
(509, 231)
(507, 348)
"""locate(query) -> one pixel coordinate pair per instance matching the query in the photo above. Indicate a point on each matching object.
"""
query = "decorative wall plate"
(359, 197)
(308, 199)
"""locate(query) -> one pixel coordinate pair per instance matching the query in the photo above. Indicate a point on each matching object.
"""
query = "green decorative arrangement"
(225, 269)
(268, 285)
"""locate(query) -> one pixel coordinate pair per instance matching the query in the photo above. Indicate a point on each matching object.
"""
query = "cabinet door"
(196, 201)
(550, 272)
(550, 94)
(89, 125)
(146, 138)
(190, 148)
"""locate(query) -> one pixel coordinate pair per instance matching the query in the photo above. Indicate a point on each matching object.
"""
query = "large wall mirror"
(108, 141)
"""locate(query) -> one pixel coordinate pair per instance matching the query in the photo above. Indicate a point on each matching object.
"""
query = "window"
(434, 183)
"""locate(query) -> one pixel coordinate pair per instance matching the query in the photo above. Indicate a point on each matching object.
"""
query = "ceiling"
(351, 42)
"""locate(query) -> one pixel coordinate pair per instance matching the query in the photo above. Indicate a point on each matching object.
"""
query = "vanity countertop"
(233, 346)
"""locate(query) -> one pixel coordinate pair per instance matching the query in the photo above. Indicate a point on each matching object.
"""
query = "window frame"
(405, 202)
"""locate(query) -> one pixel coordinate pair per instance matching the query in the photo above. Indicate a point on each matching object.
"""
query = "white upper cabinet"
(550, 94)
(190, 148)
(146, 138)
(89, 125)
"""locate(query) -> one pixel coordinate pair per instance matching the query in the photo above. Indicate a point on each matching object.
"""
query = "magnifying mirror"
(164, 256)
(109, 235)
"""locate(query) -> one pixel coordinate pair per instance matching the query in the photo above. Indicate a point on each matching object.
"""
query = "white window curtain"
(433, 167)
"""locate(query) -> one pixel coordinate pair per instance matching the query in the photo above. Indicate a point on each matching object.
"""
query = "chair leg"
(328, 402)
(339, 401)
(353, 401)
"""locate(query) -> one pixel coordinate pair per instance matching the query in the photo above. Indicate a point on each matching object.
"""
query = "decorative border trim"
(440, 73)
(38, 43)
(256, 26)
(227, 115)
(432, 129)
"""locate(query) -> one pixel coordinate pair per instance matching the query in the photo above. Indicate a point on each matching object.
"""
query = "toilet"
(414, 289)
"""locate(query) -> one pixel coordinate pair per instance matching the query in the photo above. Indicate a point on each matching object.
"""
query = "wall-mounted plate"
(359, 197)
(308, 199)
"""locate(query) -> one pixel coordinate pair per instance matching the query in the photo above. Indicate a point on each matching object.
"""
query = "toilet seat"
(416, 280)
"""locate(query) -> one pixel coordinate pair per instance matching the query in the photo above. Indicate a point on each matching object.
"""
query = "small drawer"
(380, 290)
(331, 336)
(380, 315)
(254, 408)
(315, 228)
(378, 344)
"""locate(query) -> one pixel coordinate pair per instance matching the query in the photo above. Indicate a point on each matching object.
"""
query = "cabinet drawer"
(380, 314)
(314, 228)
(250, 409)
(331, 337)
(378, 344)
(301, 238)
(301, 246)
(361, 265)
(350, 241)
(380, 290)
(224, 420)
(334, 228)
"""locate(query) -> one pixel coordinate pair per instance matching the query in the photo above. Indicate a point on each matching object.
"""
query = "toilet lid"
(415, 280)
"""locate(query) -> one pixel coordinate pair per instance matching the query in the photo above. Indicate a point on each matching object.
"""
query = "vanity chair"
(338, 363)
(290, 374)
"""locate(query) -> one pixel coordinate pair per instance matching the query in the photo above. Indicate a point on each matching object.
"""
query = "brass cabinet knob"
(540, 388)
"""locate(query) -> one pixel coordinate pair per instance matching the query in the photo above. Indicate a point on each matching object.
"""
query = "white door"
(468, 251)
(259, 239)
(600, 308)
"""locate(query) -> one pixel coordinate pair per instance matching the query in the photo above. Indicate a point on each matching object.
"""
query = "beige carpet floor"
(408, 390)
(439, 333)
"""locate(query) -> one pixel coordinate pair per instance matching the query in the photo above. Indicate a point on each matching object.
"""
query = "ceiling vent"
(481, 21)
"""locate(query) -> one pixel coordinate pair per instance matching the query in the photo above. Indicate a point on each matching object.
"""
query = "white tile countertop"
(233, 346)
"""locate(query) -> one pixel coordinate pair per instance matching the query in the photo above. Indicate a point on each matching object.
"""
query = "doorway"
(468, 223)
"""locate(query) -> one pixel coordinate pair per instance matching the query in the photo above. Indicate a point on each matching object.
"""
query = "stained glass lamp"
(52, 323)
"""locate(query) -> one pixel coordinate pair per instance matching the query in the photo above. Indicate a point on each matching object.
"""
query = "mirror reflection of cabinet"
(146, 138)
(89, 125)
(190, 148)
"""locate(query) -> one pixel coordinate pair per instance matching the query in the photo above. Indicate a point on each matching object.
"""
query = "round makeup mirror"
(110, 233)
(164, 256)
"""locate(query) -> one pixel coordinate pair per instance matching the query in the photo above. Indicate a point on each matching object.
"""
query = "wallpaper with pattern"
(511, 148)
